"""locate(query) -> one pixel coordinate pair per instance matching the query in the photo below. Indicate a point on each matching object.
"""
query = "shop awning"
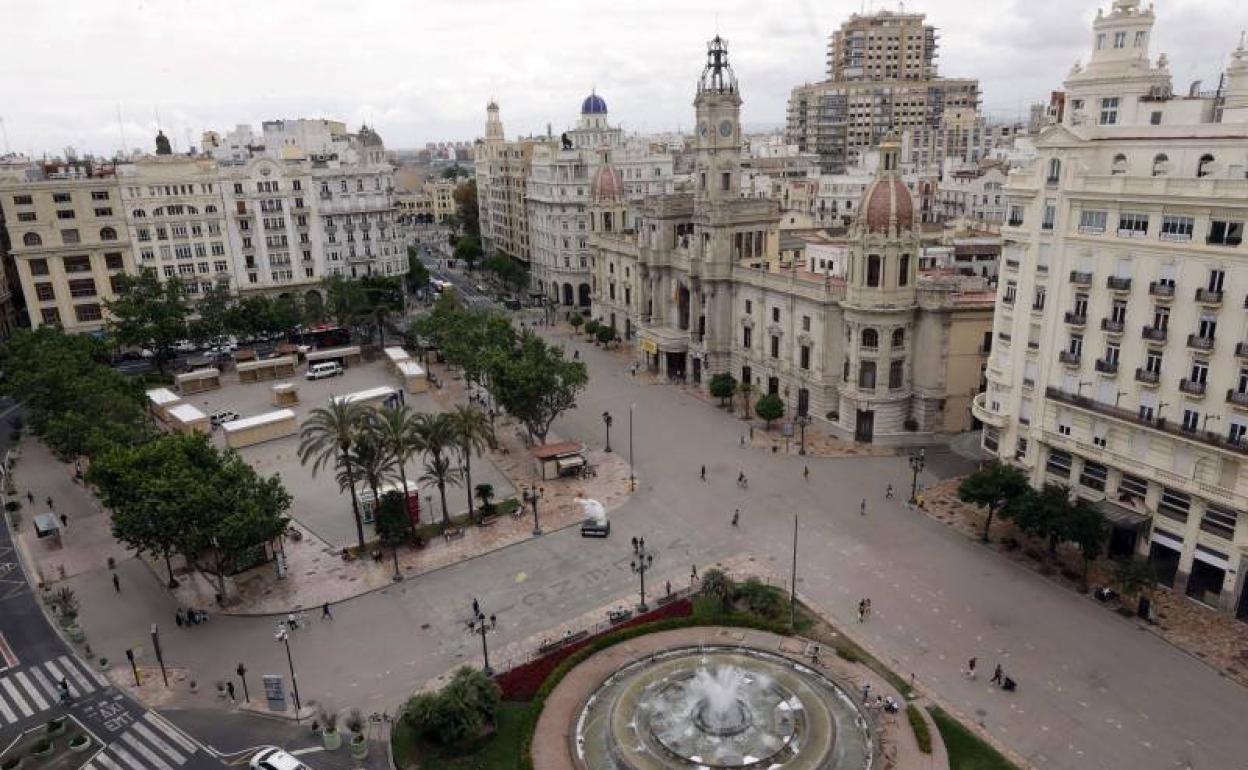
(1122, 516)
(567, 463)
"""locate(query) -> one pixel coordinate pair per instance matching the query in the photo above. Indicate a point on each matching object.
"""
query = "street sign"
(275, 692)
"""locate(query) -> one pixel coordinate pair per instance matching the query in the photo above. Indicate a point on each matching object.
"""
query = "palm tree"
(396, 429)
(327, 437)
(472, 434)
(437, 434)
(370, 462)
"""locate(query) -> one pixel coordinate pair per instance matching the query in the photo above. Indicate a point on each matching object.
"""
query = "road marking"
(309, 750)
(107, 761)
(166, 727)
(155, 740)
(147, 753)
(16, 698)
(9, 716)
(73, 670)
(56, 673)
(43, 682)
(35, 695)
(126, 757)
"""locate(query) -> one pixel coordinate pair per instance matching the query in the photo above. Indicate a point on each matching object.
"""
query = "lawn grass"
(496, 753)
(967, 751)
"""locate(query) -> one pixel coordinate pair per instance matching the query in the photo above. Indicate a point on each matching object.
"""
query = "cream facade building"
(502, 171)
(1120, 362)
(871, 348)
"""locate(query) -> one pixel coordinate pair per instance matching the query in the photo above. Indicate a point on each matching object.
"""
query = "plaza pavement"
(1094, 691)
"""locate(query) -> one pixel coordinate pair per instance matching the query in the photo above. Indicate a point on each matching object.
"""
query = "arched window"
(1055, 170)
(1120, 164)
(1205, 166)
(1161, 163)
(192, 210)
(870, 338)
(32, 239)
(139, 214)
(108, 234)
(210, 209)
(899, 338)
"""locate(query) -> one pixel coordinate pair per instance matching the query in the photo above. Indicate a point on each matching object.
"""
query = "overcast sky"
(422, 70)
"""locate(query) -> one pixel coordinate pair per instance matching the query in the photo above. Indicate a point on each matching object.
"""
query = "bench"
(453, 534)
(619, 616)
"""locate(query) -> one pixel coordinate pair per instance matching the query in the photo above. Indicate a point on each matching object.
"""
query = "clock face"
(725, 128)
(702, 128)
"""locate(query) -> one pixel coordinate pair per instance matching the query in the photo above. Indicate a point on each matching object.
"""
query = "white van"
(327, 369)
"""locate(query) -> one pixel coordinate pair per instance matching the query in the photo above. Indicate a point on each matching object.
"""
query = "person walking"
(867, 603)
(888, 493)
(669, 588)
(229, 688)
(116, 583)
(862, 610)
(49, 501)
(177, 617)
(806, 473)
(704, 473)
(866, 692)
(693, 573)
(998, 675)
(970, 668)
(736, 517)
(862, 507)
(30, 497)
(64, 521)
(325, 613)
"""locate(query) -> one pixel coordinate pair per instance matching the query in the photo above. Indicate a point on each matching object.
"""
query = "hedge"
(922, 735)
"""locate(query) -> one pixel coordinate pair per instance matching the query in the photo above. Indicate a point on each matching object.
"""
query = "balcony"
(981, 412)
(1011, 263)
(1106, 367)
(1161, 290)
(1197, 342)
(1208, 438)
(1111, 326)
(1154, 333)
(1241, 349)
(1116, 283)
(1235, 398)
(1076, 319)
(1147, 376)
(1069, 357)
(1209, 297)
(1191, 387)
(1080, 279)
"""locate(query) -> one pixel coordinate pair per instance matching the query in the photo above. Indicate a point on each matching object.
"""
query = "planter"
(75, 633)
(102, 663)
(79, 743)
(359, 747)
(56, 726)
(42, 749)
(331, 739)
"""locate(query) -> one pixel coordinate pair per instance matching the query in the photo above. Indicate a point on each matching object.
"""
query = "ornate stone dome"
(887, 203)
(368, 137)
(607, 183)
(594, 105)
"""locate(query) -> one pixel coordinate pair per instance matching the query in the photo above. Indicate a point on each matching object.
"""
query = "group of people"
(190, 617)
(864, 610)
(999, 677)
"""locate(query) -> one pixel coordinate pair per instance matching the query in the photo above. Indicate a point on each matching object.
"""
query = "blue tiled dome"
(594, 105)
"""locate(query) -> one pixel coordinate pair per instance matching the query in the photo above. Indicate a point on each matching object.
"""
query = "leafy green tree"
(717, 584)
(1134, 575)
(392, 524)
(437, 434)
(769, 408)
(468, 248)
(466, 209)
(368, 461)
(417, 276)
(347, 302)
(535, 384)
(285, 314)
(994, 486)
(723, 386)
(605, 334)
(149, 313)
(1088, 530)
(395, 428)
(326, 438)
(382, 298)
(591, 327)
(473, 435)
(460, 712)
(245, 510)
(485, 493)
(215, 316)
(575, 319)
(1045, 514)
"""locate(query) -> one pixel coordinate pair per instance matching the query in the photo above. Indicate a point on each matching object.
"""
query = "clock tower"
(717, 168)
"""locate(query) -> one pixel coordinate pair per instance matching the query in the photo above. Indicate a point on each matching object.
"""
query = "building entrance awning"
(662, 339)
(1123, 516)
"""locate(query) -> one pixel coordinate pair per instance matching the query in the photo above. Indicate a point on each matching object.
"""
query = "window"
(866, 375)
(870, 338)
(775, 315)
(44, 292)
(1200, 372)
(1016, 216)
(804, 357)
(87, 313)
(1120, 40)
(82, 287)
(1161, 164)
(81, 264)
(1092, 221)
(1225, 232)
(805, 323)
(99, 195)
(108, 234)
(749, 306)
(1152, 362)
(1058, 463)
(1100, 41)
(1191, 420)
(746, 337)
(1140, 38)
(104, 212)
(725, 181)
(1093, 475)
(1109, 111)
(1204, 167)
(1133, 485)
(51, 316)
(1132, 224)
(775, 346)
(896, 373)
(1041, 294)
(1176, 228)
(899, 338)
(873, 270)
(23, 200)
(903, 271)
(61, 198)
(1120, 165)
(1050, 215)
(1218, 521)
(26, 216)
(65, 214)
(1174, 504)
(1075, 347)
(114, 261)
(32, 239)
(1011, 292)
(1154, 118)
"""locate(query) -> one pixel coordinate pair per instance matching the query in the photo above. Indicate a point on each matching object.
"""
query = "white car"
(274, 758)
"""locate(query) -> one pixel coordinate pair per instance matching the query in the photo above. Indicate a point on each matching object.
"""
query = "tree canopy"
(535, 383)
(149, 313)
(769, 408)
(994, 486)
(723, 387)
(466, 210)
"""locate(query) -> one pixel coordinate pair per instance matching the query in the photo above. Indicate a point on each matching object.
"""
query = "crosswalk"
(150, 743)
(31, 689)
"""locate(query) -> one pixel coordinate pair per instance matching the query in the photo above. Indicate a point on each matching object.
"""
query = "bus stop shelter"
(565, 457)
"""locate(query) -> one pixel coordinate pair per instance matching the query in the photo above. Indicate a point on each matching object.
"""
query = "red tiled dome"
(607, 183)
(887, 200)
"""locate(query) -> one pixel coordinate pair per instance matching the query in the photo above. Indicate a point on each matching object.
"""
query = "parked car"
(274, 758)
(223, 416)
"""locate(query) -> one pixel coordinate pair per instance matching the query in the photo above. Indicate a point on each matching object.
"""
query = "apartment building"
(975, 194)
(881, 78)
(69, 239)
(1120, 361)
(502, 170)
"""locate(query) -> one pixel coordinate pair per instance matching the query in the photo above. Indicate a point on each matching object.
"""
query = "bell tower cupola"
(717, 166)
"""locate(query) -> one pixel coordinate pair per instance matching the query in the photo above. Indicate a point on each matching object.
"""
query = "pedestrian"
(736, 517)
(325, 613)
(970, 668)
(814, 654)
(866, 692)
(704, 473)
(49, 502)
(742, 439)
(888, 493)
(64, 521)
(862, 610)
(229, 688)
(867, 606)
(669, 588)
(998, 675)
(291, 622)
(751, 433)
(177, 617)
(862, 507)
(806, 472)
(693, 573)
(30, 497)
(116, 583)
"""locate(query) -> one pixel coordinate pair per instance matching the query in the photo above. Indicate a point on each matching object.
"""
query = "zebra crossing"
(150, 743)
(32, 689)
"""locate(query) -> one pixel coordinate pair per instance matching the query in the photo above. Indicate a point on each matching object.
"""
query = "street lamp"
(641, 563)
(531, 496)
(284, 637)
(480, 624)
(607, 420)
(632, 479)
(917, 461)
(242, 675)
(802, 421)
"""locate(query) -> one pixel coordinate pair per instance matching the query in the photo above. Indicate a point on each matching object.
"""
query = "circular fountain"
(721, 707)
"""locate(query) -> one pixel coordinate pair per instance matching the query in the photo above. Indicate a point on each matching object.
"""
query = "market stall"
(414, 379)
(285, 394)
(186, 418)
(396, 355)
(160, 400)
(269, 426)
(346, 356)
(198, 381)
(266, 369)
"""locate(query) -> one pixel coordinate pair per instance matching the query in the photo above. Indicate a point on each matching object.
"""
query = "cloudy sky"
(422, 70)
